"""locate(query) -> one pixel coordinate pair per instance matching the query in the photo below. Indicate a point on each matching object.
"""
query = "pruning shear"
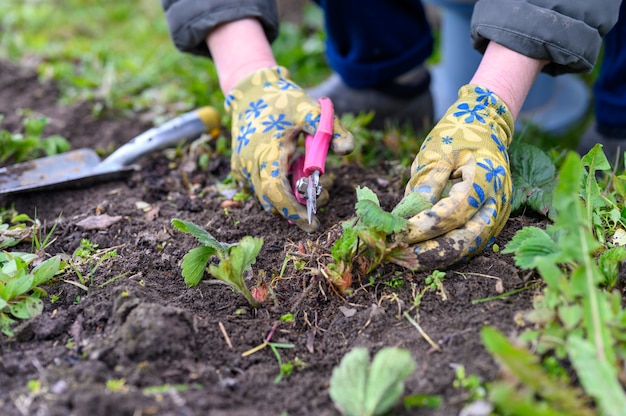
(307, 169)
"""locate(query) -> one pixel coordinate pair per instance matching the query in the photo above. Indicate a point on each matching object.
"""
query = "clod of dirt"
(150, 331)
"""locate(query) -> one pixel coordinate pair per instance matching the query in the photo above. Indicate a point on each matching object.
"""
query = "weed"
(574, 317)
(395, 282)
(20, 291)
(15, 228)
(30, 144)
(116, 385)
(234, 259)
(286, 368)
(432, 282)
(472, 384)
(86, 260)
(166, 388)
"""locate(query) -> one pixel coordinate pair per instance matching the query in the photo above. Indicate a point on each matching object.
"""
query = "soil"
(149, 329)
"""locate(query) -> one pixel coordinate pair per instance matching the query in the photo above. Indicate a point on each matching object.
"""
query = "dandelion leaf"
(598, 377)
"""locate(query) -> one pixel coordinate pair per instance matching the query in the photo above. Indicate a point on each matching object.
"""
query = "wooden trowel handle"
(185, 127)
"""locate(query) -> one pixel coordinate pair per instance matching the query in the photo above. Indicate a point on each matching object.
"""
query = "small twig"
(502, 295)
(422, 333)
(225, 334)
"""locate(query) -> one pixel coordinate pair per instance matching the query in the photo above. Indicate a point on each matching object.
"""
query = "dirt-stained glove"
(467, 149)
(269, 112)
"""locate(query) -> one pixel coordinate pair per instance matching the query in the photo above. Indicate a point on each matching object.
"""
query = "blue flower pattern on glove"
(470, 153)
(242, 138)
(279, 123)
(493, 173)
(475, 113)
(255, 109)
(268, 111)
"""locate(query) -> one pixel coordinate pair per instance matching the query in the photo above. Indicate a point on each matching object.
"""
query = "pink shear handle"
(297, 172)
(316, 147)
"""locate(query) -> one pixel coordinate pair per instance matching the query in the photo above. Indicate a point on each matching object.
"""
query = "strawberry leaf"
(412, 204)
(534, 179)
(194, 263)
(374, 216)
(239, 259)
(366, 194)
(200, 233)
(360, 388)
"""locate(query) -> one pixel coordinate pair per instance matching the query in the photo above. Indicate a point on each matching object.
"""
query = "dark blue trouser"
(370, 42)
(367, 54)
(610, 88)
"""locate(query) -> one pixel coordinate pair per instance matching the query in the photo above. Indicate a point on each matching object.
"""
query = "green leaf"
(390, 367)
(374, 216)
(513, 402)
(5, 324)
(527, 369)
(348, 382)
(534, 178)
(244, 255)
(239, 259)
(46, 270)
(360, 389)
(366, 194)
(345, 246)
(27, 308)
(411, 205)
(529, 245)
(200, 233)
(598, 377)
(194, 263)
(596, 160)
(422, 400)
(570, 315)
(20, 284)
(609, 263)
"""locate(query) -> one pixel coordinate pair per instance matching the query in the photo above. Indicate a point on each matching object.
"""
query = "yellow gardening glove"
(468, 149)
(268, 113)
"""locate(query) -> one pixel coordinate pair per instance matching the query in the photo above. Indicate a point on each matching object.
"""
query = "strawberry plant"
(361, 388)
(534, 179)
(234, 258)
(366, 240)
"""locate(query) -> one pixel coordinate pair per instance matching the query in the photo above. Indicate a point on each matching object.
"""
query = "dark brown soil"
(149, 329)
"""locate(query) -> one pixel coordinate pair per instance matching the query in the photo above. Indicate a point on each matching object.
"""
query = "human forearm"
(239, 48)
(508, 74)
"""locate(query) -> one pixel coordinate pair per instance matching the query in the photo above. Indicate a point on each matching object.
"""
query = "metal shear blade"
(306, 171)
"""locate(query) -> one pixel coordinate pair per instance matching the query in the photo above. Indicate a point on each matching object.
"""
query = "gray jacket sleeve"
(190, 21)
(568, 33)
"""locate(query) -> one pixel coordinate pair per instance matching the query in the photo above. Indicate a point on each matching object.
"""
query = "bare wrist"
(238, 49)
(508, 74)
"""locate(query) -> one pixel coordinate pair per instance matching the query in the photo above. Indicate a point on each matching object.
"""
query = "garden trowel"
(83, 167)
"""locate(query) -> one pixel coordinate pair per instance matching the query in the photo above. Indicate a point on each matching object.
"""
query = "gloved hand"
(467, 148)
(268, 114)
